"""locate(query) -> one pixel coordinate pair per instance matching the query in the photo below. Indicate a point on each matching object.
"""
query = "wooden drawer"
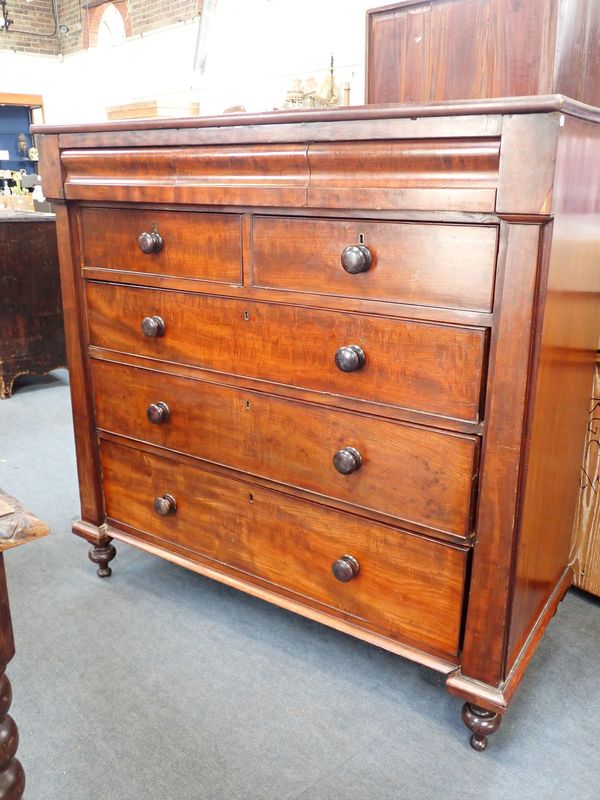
(417, 475)
(423, 366)
(408, 587)
(436, 265)
(207, 247)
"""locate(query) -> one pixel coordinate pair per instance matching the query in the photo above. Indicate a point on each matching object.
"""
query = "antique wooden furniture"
(341, 360)
(17, 527)
(32, 338)
(424, 50)
(586, 539)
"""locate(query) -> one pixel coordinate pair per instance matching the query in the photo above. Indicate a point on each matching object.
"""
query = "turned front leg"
(101, 554)
(482, 722)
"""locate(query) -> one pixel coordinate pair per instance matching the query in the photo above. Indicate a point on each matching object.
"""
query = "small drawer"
(183, 244)
(427, 367)
(419, 476)
(399, 584)
(450, 266)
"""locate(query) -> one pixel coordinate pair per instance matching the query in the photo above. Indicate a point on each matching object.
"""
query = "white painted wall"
(255, 50)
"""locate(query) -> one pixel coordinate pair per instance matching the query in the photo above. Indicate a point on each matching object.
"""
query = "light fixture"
(5, 20)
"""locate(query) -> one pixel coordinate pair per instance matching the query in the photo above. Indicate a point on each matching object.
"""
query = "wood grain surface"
(439, 265)
(411, 473)
(435, 368)
(206, 247)
(410, 587)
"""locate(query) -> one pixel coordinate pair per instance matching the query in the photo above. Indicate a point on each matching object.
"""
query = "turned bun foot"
(482, 722)
(101, 554)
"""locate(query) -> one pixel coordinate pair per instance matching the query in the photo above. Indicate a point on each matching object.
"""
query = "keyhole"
(247, 405)
(361, 238)
(250, 498)
(246, 315)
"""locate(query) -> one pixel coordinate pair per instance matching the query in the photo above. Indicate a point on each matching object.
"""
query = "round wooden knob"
(356, 258)
(158, 412)
(345, 568)
(150, 242)
(153, 327)
(347, 460)
(350, 358)
(165, 505)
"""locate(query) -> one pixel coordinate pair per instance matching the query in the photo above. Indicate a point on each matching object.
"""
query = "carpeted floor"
(158, 684)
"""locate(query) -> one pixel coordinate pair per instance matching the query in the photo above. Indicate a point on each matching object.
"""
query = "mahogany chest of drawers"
(341, 360)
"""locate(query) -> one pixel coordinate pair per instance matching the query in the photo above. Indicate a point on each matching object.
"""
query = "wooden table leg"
(12, 776)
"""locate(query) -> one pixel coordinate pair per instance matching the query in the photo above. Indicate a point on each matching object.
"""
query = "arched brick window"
(106, 24)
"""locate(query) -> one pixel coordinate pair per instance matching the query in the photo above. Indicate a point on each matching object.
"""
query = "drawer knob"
(347, 460)
(345, 568)
(150, 242)
(158, 412)
(356, 258)
(350, 358)
(165, 505)
(153, 327)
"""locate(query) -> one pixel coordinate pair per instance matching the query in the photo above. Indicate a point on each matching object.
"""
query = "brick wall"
(34, 28)
(71, 15)
(149, 14)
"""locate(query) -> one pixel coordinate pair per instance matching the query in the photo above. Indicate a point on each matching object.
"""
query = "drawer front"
(450, 266)
(416, 475)
(415, 365)
(192, 245)
(407, 587)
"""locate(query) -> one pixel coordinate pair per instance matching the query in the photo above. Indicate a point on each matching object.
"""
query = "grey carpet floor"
(159, 684)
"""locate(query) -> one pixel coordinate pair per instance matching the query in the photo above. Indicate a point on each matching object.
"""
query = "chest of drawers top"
(480, 156)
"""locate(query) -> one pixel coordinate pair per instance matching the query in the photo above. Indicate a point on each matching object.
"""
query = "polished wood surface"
(420, 51)
(565, 364)
(406, 390)
(282, 344)
(455, 174)
(447, 265)
(205, 247)
(84, 422)
(293, 544)
(414, 474)
(31, 323)
(496, 524)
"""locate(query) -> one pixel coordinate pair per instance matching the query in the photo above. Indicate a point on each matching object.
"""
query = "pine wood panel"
(429, 367)
(414, 474)
(586, 531)
(292, 544)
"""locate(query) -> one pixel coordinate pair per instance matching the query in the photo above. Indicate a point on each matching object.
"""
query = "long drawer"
(181, 243)
(417, 475)
(423, 366)
(408, 587)
(436, 265)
